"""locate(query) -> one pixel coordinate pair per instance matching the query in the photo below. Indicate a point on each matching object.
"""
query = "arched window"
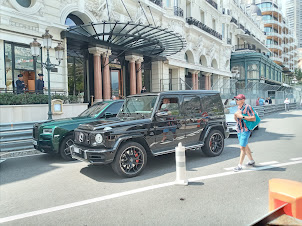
(186, 57)
(24, 3)
(73, 20)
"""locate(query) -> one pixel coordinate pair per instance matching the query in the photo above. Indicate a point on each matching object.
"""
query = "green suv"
(56, 136)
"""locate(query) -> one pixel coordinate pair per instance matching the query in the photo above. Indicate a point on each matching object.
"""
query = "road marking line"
(134, 191)
(2, 160)
(295, 159)
(230, 168)
(268, 163)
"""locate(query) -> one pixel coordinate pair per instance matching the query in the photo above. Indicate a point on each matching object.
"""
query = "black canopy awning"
(129, 37)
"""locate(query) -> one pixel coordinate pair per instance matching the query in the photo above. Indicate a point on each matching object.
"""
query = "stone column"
(138, 67)
(132, 77)
(193, 81)
(132, 59)
(96, 51)
(206, 82)
(196, 80)
(106, 75)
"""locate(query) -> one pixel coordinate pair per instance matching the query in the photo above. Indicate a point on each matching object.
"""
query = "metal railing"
(233, 20)
(242, 27)
(254, 89)
(157, 2)
(212, 3)
(272, 108)
(16, 137)
(178, 11)
(247, 46)
(53, 92)
(197, 23)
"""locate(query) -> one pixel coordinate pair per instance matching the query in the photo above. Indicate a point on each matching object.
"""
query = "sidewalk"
(13, 154)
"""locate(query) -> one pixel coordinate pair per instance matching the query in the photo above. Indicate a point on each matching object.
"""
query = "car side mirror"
(161, 114)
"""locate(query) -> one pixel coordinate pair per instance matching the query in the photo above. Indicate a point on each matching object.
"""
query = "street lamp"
(59, 51)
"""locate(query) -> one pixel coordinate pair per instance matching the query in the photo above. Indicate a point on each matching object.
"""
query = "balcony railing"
(276, 58)
(212, 3)
(246, 46)
(178, 11)
(274, 34)
(233, 20)
(192, 21)
(274, 46)
(229, 41)
(273, 22)
(242, 27)
(247, 31)
(272, 9)
(157, 2)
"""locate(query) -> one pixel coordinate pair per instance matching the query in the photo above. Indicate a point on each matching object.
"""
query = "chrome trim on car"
(173, 150)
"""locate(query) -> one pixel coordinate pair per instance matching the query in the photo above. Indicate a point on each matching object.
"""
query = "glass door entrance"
(116, 84)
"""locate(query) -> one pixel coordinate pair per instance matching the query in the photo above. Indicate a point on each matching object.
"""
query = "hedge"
(27, 98)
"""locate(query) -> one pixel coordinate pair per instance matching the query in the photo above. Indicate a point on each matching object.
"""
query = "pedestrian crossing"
(261, 164)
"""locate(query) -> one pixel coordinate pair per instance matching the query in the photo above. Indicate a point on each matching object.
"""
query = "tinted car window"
(138, 106)
(212, 104)
(191, 105)
(94, 110)
(170, 106)
(114, 108)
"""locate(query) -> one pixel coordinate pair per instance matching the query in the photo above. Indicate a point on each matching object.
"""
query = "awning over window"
(129, 37)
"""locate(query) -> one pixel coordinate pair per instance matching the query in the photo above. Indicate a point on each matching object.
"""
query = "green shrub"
(32, 98)
(73, 99)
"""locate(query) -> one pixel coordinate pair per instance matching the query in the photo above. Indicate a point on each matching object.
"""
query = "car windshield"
(94, 110)
(231, 109)
(138, 106)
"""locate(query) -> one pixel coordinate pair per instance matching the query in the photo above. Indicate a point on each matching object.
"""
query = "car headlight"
(98, 138)
(48, 131)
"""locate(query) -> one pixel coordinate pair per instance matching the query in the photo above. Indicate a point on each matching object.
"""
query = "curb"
(14, 154)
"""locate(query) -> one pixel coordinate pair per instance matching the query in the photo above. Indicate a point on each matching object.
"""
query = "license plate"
(76, 150)
(35, 142)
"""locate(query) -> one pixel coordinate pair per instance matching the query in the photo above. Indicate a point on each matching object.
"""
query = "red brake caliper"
(136, 155)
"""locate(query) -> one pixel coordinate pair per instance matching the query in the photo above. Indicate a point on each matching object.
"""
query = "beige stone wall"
(36, 112)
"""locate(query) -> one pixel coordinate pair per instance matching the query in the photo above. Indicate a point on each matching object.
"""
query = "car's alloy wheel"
(214, 143)
(66, 143)
(130, 160)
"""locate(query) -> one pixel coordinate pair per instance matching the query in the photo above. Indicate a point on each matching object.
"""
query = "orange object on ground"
(283, 191)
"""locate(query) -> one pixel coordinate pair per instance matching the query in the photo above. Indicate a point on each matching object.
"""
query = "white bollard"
(180, 157)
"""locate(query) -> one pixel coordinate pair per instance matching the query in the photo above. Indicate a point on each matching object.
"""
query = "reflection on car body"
(56, 136)
(197, 120)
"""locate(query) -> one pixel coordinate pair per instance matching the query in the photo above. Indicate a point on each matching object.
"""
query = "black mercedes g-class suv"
(153, 124)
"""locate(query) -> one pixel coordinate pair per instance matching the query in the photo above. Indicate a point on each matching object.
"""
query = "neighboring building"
(117, 58)
(294, 16)
(280, 39)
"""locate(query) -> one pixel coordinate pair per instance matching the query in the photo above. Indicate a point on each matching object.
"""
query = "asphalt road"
(45, 190)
